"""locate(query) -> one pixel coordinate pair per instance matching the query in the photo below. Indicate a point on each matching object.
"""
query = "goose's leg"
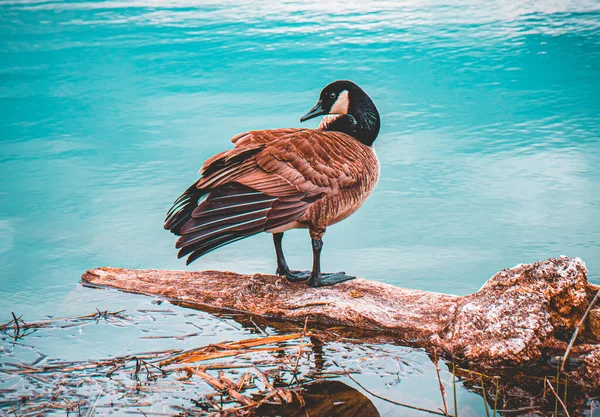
(282, 266)
(318, 279)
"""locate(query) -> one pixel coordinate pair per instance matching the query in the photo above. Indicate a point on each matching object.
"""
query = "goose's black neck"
(362, 121)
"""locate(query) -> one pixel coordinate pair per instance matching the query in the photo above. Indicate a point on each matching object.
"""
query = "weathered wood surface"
(520, 314)
(357, 303)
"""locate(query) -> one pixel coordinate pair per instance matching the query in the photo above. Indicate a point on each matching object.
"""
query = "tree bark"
(519, 315)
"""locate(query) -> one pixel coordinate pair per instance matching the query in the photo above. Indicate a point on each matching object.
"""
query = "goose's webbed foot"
(294, 276)
(325, 279)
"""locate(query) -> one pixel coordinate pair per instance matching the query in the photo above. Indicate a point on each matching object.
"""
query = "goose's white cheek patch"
(327, 120)
(341, 105)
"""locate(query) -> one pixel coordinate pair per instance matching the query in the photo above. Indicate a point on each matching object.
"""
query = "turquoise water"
(489, 146)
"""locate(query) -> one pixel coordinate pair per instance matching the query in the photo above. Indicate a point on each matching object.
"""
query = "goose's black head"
(350, 110)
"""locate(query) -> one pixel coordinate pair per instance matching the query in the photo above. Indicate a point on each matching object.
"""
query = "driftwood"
(519, 317)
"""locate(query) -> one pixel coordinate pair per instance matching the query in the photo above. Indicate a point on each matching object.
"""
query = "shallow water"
(489, 146)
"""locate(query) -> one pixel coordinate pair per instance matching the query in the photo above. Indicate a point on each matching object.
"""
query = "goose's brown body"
(292, 178)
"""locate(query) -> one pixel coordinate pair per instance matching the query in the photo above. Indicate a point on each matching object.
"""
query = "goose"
(282, 179)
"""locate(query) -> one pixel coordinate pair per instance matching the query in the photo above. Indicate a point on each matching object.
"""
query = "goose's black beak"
(314, 112)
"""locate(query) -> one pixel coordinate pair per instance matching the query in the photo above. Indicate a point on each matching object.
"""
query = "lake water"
(489, 146)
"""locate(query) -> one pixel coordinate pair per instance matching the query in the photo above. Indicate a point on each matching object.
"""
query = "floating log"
(519, 317)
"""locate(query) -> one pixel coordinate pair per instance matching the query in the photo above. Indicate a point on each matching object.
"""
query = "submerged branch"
(19, 326)
(576, 332)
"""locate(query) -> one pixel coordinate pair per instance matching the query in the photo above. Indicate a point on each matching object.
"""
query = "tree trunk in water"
(519, 316)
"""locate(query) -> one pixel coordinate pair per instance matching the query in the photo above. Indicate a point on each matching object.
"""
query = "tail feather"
(182, 209)
(219, 220)
(186, 250)
(228, 213)
(202, 235)
(198, 253)
(236, 205)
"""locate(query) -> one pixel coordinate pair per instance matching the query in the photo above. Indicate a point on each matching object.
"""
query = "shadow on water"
(277, 369)
(322, 399)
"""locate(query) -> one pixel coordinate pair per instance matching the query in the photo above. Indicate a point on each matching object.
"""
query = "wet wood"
(517, 317)
(357, 303)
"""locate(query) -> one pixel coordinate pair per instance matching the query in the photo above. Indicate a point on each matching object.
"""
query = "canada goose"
(282, 179)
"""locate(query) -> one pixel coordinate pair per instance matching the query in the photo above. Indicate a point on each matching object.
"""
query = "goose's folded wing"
(269, 180)
(316, 161)
(287, 161)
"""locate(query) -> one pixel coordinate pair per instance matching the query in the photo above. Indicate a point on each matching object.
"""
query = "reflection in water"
(511, 391)
(340, 372)
(324, 399)
(522, 392)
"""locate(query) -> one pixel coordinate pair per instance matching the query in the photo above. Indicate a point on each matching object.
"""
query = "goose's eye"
(332, 95)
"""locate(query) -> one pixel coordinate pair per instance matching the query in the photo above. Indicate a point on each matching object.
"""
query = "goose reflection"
(330, 398)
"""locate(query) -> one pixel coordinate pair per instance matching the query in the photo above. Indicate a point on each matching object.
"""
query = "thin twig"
(558, 398)
(518, 410)
(47, 323)
(240, 398)
(300, 347)
(262, 377)
(496, 395)
(413, 407)
(261, 331)
(16, 325)
(487, 413)
(566, 386)
(555, 392)
(576, 332)
(454, 388)
(218, 385)
(442, 388)
(93, 409)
